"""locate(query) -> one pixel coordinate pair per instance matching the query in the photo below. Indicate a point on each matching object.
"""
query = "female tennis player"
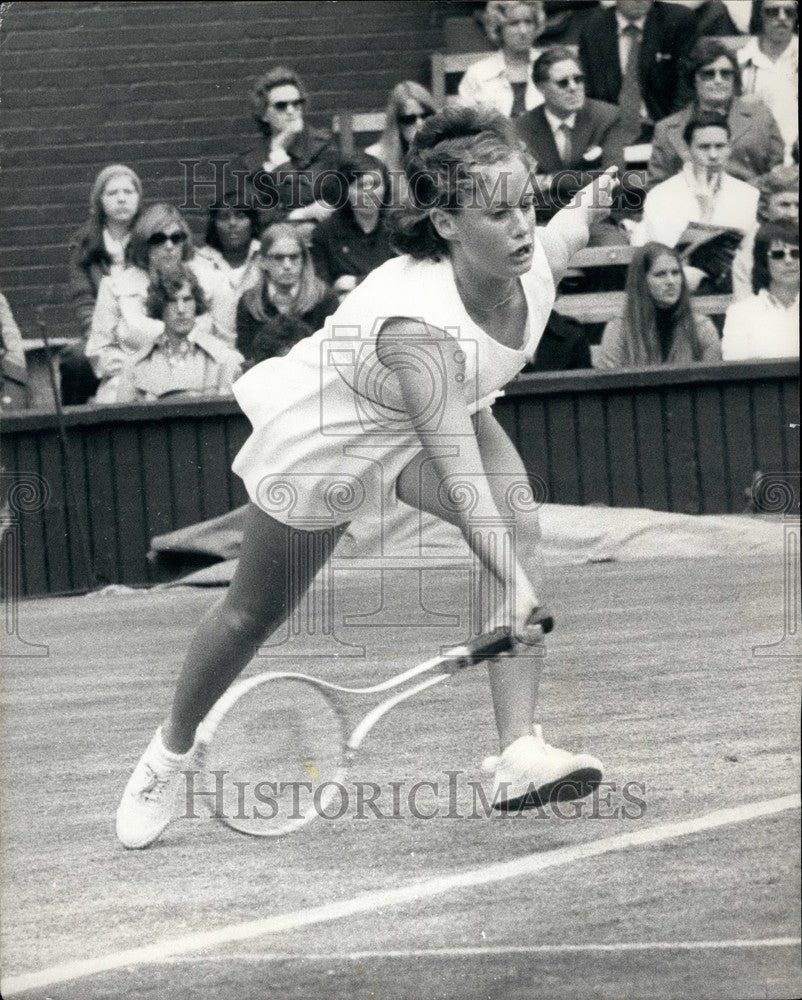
(394, 394)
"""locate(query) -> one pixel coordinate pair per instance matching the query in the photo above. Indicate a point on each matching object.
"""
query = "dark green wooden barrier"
(686, 440)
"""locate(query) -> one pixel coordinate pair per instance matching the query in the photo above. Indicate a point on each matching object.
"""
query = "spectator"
(356, 239)
(97, 250)
(631, 56)
(408, 107)
(714, 77)
(503, 80)
(288, 287)
(766, 325)
(186, 359)
(779, 202)
(568, 132)
(770, 63)
(276, 337)
(232, 248)
(286, 171)
(13, 371)
(658, 325)
(702, 191)
(120, 325)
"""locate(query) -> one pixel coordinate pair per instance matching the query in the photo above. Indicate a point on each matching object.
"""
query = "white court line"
(382, 899)
(501, 949)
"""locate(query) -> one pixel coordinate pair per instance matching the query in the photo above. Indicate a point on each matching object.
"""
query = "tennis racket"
(277, 748)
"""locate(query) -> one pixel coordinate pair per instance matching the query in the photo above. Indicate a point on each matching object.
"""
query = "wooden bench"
(600, 307)
(366, 126)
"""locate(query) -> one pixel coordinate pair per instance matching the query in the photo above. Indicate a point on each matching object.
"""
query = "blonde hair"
(390, 147)
(498, 12)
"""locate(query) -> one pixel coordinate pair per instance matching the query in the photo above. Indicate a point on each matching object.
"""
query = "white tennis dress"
(330, 433)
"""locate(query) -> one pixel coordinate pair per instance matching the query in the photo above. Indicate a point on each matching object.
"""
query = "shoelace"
(156, 785)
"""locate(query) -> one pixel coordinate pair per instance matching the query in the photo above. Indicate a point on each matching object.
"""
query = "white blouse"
(761, 327)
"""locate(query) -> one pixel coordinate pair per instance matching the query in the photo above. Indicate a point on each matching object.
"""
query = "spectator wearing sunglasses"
(503, 80)
(766, 325)
(356, 239)
(569, 134)
(770, 63)
(285, 170)
(408, 107)
(120, 325)
(779, 202)
(288, 287)
(714, 78)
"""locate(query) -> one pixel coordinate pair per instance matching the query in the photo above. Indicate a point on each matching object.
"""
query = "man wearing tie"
(568, 134)
(631, 55)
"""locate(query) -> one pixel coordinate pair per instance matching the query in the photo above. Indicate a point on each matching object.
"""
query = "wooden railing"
(676, 439)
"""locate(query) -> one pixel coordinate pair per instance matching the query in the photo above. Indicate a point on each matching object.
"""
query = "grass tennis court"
(651, 668)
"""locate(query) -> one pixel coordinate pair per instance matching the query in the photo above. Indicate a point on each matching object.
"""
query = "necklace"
(484, 309)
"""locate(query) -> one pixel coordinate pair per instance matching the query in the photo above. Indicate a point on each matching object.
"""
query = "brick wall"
(147, 84)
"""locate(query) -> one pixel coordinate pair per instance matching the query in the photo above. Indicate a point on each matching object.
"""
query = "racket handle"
(500, 640)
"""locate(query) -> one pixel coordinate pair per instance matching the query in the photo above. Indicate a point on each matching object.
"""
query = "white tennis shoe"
(531, 773)
(148, 804)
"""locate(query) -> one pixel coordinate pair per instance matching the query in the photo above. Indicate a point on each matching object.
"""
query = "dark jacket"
(756, 144)
(340, 246)
(562, 347)
(249, 327)
(86, 271)
(296, 183)
(713, 18)
(668, 35)
(597, 125)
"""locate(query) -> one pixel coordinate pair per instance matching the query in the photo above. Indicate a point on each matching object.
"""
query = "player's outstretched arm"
(569, 230)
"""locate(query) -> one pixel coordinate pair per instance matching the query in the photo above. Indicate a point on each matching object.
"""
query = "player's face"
(284, 108)
(518, 31)
(233, 229)
(120, 199)
(179, 313)
(564, 91)
(715, 83)
(784, 206)
(784, 263)
(283, 262)
(494, 231)
(664, 281)
(710, 148)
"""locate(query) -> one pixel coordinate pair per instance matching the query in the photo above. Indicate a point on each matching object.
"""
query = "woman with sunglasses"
(714, 77)
(391, 402)
(120, 325)
(770, 63)
(504, 80)
(96, 251)
(286, 171)
(766, 325)
(408, 107)
(658, 325)
(356, 238)
(288, 286)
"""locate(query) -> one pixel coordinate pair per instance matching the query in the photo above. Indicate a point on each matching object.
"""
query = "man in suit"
(631, 55)
(569, 135)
